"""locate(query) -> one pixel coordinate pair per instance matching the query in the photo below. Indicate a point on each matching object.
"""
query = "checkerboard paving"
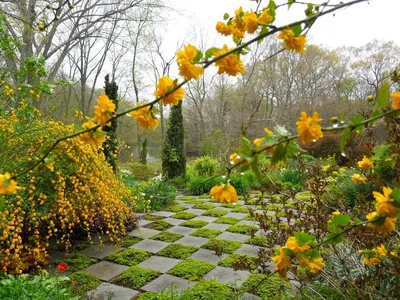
(161, 263)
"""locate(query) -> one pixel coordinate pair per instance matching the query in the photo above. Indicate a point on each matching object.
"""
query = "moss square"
(229, 205)
(167, 236)
(129, 257)
(215, 213)
(194, 223)
(136, 277)
(222, 246)
(241, 228)
(204, 196)
(227, 220)
(129, 241)
(257, 240)
(84, 282)
(203, 205)
(153, 217)
(77, 261)
(206, 233)
(175, 208)
(266, 288)
(191, 269)
(178, 251)
(236, 260)
(160, 225)
(184, 215)
(240, 209)
(186, 198)
(210, 290)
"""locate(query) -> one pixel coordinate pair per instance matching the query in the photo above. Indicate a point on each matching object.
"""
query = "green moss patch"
(268, 288)
(206, 233)
(168, 237)
(204, 196)
(194, 223)
(222, 246)
(227, 220)
(241, 228)
(160, 225)
(211, 290)
(184, 215)
(153, 217)
(240, 209)
(257, 240)
(84, 282)
(175, 208)
(129, 241)
(203, 205)
(136, 277)
(77, 261)
(178, 251)
(251, 202)
(186, 198)
(129, 257)
(215, 213)
(150, 296)
(191, 269)
(239, 261)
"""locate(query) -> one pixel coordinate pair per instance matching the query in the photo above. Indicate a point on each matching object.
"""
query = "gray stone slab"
(166, 281)
(182, 230)
(233, 236)
(228, 276)
(205, 218)
(174, 221)
(55, 255)
(105, 270)
(241, 202)
(222, 227)
(163, 213)
(247, 222)
(150, 245)
(100, 252)
(225, 208)
(248, 249)
(208, 256)
(144, 222)
(192, 241)
(236, 215)
(144, 233)
(247, 296)
(196, 211)
(112, 292)
(160, 264)
(187, 205)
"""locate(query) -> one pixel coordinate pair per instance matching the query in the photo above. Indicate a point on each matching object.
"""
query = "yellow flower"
(357, 178)
(388, 224)
(165, 85)
(283, 263)
(258, 142)
(224, 29)
(294, 246)
(8, 186)
(250, 20)
(292, 42)
(94, 137)
(308, 129)
(230, 64)
(396, 100)
(235, 158)
(365, 163)
(336, 213)
(145, 117)
(370, 261)
(314, 265)
(225, 193)
(264, 17)
(267, 131)
(185, 59)
(381, 250)
(335, 174)
(104, 110)
(383, 206)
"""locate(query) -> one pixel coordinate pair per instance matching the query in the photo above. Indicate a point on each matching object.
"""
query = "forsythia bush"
(73, 191)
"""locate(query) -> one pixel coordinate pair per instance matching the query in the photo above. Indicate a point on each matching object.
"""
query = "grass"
(227, 220)
(222, 246)
(242, 228)
(184, 215)
(168, 237)
(153, 217)
(77, 261)
(240, 209)
(215, 213)
(129, 241)
(206, 233)
(178, 251)
(257, 240)
(191, 269)
(267, 288)
(136, 277)
(186, 198)
(203, 205)
(204, 196)
(129, 257)
(194, 223)
(84, 282)
(175, 208)
(160, 225)
(236, 260)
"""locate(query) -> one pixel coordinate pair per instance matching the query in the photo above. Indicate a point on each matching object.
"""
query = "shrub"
(141, 171)
(197, 186)
(205, 166)
(159, 193)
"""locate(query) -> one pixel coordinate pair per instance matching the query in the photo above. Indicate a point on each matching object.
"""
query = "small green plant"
(159, 193)
(242, 229)
(77, 261)
(200, 185)
(153, 217)
(240, 209)
(129, 241)
(215, 213)
(205, 166)
(168, 237)
(191, 269)
(206, 233)
(142, 172)
(203, 205)
(227, 220)
(178, 251)
(272, 287)
(129, 257)
(136, 277)
(242, 260)
(184, 215)
(257, 240)
(175, 208)
(195, 223)
(83, 282)
(159, 225)
(222, 246)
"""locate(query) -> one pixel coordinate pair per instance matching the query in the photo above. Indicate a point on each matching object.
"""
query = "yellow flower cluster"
(8, 186)
(359, 179)
(145, 116)
(104, 110)
(308, 128)
(375, 255)
(9, 91)
(94, 137)
(292, 42)
(186, 62)
(365, 163)
(230, 64)
(224, 193)
(396, 100)
(258, 142)
(385, 216)
(166, 85)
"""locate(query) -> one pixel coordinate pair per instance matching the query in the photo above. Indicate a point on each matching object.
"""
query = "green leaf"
(302, 238)
(357, 119)
(210, 52)
(287, 252)
(280, 130)
(226, 16)
(255, 168)
(272, 8)
(344, 137)
(293, 149)
(334, 229)
(290, 2)
(198, 56)
(338, 239)
(396, 194)
(264, 30)
(279, 154)
(341, 220)
(235, 40)
(297, 29)
(246, 145)
(383, 94)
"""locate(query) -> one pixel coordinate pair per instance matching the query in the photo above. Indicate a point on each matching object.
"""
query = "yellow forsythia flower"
(225, 193)
(336, 213)
(8, 186)
(264, 17)
(165, 85)
(370, 261)
(365, 163)
(383, 206)
(308, 129)
(381, 250)
(396, 100)
(223, 29)
(283, 263)
(294, 246)
(235, 158)
(185, 58)
(314, 265)
(267, 131)
(104, 110)
(230, 64)
(292, 42)
(250, 21)
(145, 117)
(94, 137)
(357, 178)
(388, 224)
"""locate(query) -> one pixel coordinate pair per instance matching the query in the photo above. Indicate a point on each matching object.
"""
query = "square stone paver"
(228, 276)
(174, 221)
(247, 222)
(248, 249)
(205, 218)
(144, 222)
(236, 215)
(233, 236)
(100, 252)
(160, 264)
(196, 211)
(144, 233)
(54, 255)
(225, 208)
(241, 202)
(150, 245)
(163, 213)
(187, 205)
(166, 281)
(192, 241)
(112, 292)
(182, 230)
(208, 256)
(105, 270)
(222, 227)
